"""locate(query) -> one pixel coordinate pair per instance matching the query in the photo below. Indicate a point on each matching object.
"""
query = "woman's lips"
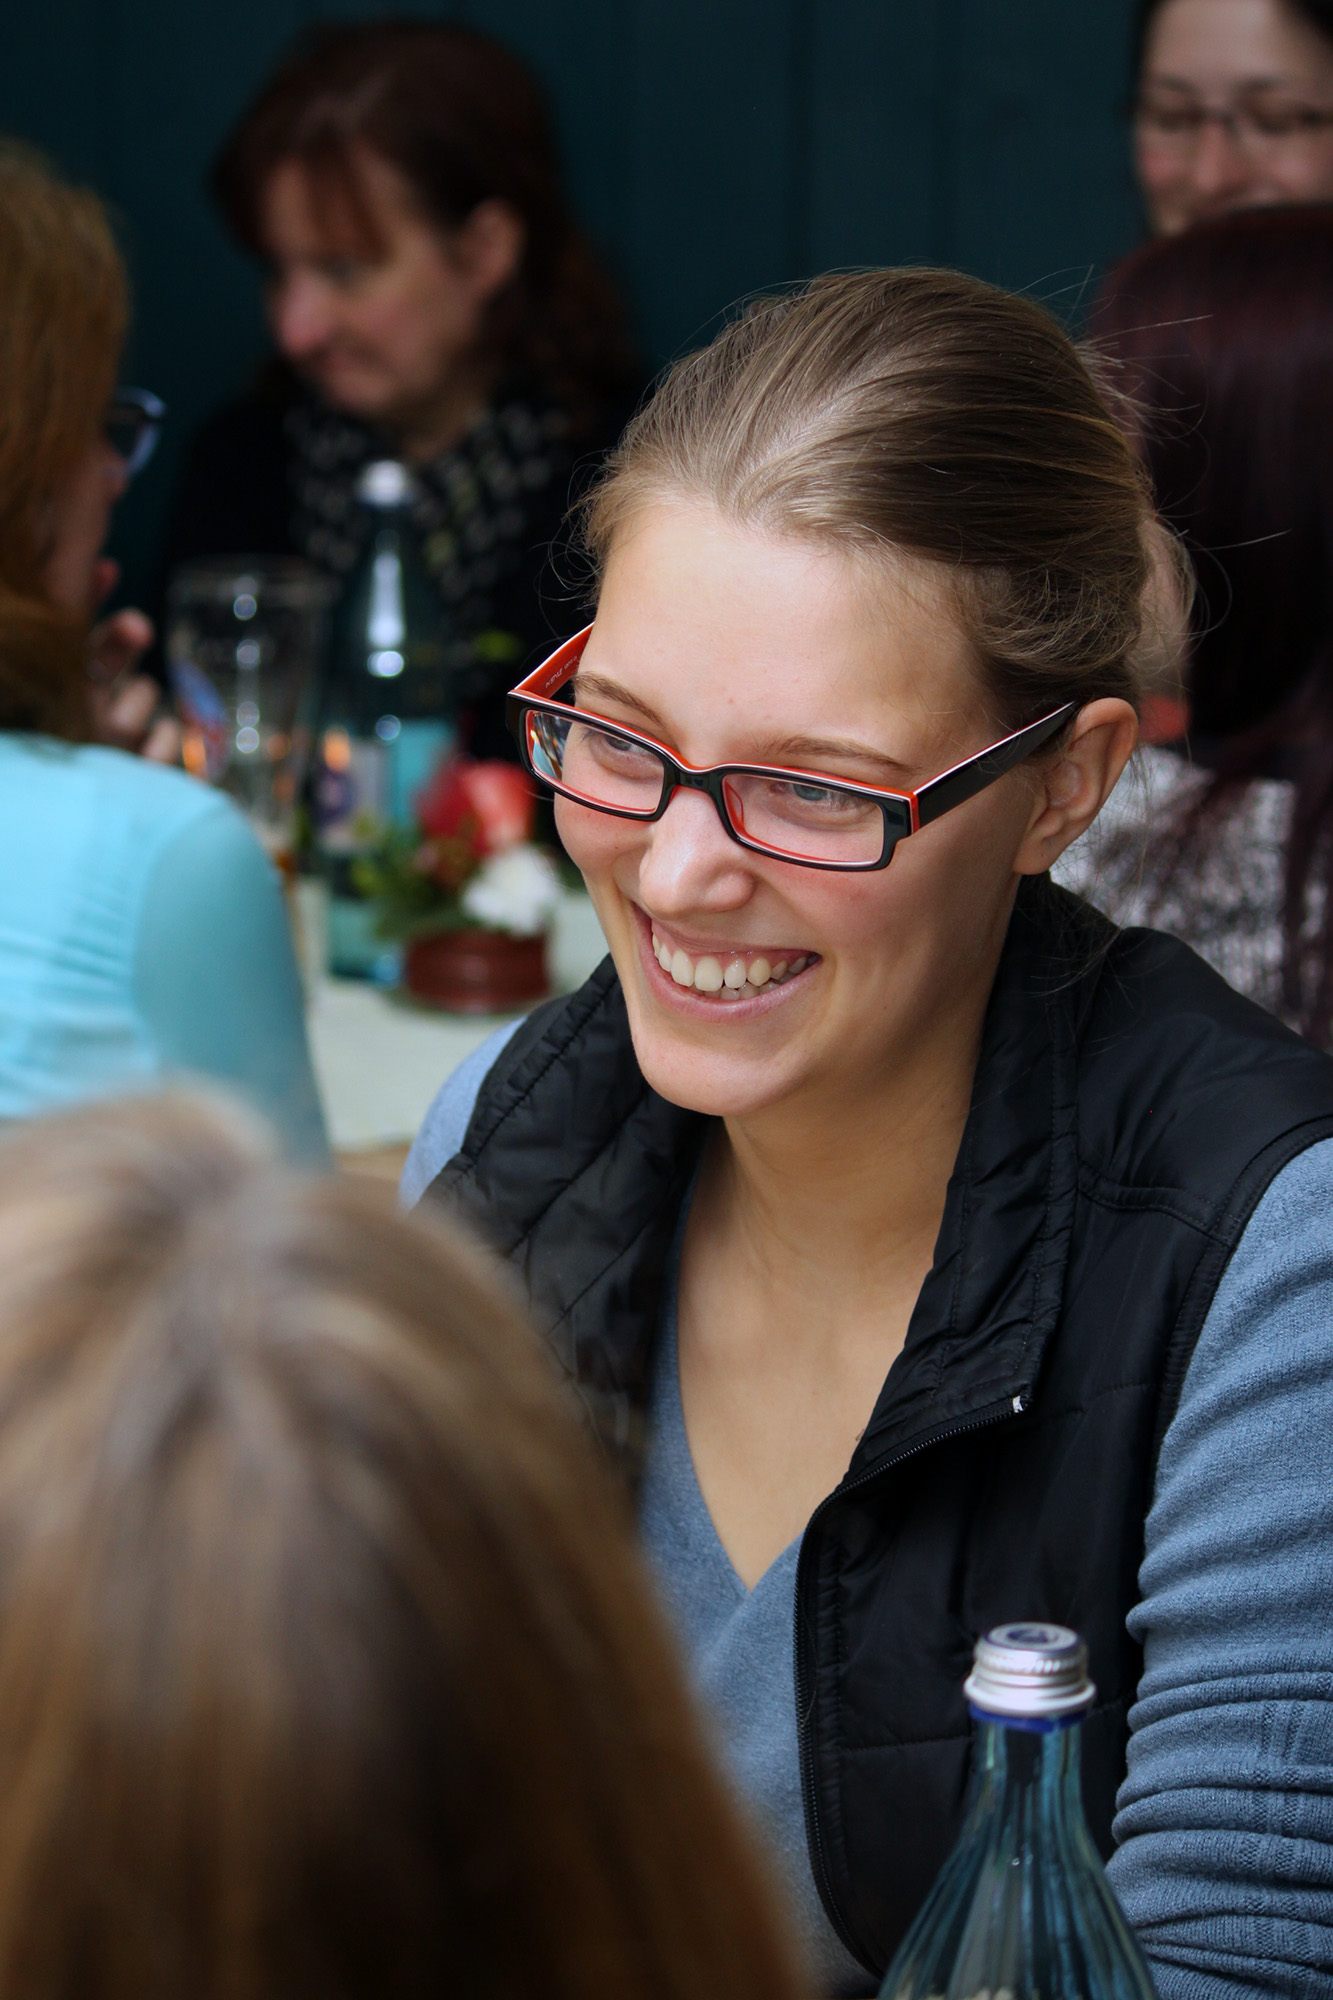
(726, 973)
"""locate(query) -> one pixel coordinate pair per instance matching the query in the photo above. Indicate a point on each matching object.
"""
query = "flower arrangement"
(469, 863)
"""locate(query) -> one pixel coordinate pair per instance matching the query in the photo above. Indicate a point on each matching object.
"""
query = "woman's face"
(379, 329)
(732, 646)
(1264, 77)
(80, 517)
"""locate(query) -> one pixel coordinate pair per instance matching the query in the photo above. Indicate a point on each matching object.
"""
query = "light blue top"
(1225, 1820)
(142, 937)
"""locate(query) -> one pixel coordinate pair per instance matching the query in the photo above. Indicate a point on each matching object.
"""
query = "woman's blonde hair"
(326, 1666)
(63, 308)
(926, 413)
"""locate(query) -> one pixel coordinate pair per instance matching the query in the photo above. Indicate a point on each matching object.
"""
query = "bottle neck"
(1027, 1778)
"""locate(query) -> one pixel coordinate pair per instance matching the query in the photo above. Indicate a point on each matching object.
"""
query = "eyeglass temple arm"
(543, 682)
(965, 780)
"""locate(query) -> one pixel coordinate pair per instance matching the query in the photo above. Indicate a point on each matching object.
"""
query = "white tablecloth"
(380, 1060)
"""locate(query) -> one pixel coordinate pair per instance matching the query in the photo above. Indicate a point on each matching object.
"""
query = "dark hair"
(928, 413)
(326, 1663)
(1225, 334)
(464, 121)
(1318, 14)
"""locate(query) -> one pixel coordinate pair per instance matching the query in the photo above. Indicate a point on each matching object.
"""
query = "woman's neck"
(811, 1232)
(426, 430)
(854, 1188)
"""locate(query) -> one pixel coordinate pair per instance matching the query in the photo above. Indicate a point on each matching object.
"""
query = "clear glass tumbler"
(244, 640)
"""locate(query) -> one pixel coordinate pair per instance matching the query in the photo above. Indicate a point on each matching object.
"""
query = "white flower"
(516, 890)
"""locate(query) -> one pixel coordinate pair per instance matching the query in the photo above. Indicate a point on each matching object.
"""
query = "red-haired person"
(1225, 338)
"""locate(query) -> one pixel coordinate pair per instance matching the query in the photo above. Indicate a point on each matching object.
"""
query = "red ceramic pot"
(476, 972)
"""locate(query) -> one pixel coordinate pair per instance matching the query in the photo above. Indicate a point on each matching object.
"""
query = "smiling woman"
(906, 1278)
(1234, 106)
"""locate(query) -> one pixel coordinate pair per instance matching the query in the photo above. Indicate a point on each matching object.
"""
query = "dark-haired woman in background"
(1226, 335)
(1233, 106)
(431, 297)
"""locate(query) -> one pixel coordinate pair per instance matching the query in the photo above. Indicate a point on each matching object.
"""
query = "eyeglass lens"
(132, 422)
(1178, 122)
(804, 820)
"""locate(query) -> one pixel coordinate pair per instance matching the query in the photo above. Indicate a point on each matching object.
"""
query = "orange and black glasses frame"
(541, 724)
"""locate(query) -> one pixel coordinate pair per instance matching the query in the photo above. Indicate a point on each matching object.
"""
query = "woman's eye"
(615, 752)
(1284, 121)
(820, 801)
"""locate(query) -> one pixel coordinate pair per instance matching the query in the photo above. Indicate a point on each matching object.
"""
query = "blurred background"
(714, 146)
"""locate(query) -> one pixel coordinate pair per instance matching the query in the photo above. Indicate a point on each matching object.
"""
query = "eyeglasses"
(1259, 125)
(132, 423)
(799, 816)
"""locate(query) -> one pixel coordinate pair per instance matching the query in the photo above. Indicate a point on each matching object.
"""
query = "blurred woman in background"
(431, 298)
(1225, 335)
(142, 930)
(326, 1667)
(1234, 106)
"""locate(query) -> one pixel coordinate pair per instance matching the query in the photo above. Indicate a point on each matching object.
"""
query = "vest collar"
(575, 1169)
(992, 1297)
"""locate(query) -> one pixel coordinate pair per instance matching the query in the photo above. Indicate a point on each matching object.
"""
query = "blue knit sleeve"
(215, 977)
(444, 1126)
(1225, 1819)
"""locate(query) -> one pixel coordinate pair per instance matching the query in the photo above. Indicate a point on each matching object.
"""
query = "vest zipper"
(813, 1836)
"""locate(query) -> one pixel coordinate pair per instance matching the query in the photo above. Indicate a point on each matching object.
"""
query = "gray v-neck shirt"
(1225, 1822)
(739, 1645)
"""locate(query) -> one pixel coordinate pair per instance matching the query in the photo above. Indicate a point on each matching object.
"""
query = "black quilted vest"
(1129, 1111)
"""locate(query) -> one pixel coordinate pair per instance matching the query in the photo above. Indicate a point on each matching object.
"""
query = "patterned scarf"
(474, 508)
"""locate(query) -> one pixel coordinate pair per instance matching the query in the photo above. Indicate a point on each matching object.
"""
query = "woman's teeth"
(733, 980)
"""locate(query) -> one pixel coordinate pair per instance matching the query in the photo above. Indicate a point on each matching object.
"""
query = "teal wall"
(714, 146)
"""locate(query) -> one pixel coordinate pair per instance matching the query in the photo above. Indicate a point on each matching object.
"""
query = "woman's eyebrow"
(802, 751)
(601, 687)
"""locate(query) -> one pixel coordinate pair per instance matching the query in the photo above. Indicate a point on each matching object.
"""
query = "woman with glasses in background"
(1233, 107)
(935, 1253)
(142, 930)
(432, 298)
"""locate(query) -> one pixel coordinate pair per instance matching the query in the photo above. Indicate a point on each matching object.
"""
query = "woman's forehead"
(339, 203)
(681, 575)
(1236, 42)
(701, 617)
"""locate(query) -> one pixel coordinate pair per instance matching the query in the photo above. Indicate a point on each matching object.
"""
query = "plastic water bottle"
(1022, 1909)
(387, 711)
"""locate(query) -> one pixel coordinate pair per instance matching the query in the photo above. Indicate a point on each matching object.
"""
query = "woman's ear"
(490, 246)
(1073, 786)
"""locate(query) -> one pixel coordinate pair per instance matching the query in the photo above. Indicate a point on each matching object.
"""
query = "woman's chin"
(734, 1083)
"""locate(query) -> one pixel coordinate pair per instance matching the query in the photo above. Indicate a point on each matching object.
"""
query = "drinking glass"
(244, 638)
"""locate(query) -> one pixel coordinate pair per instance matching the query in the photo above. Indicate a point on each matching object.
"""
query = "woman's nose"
(299, 314)
(690, 862)
(1221, 166)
